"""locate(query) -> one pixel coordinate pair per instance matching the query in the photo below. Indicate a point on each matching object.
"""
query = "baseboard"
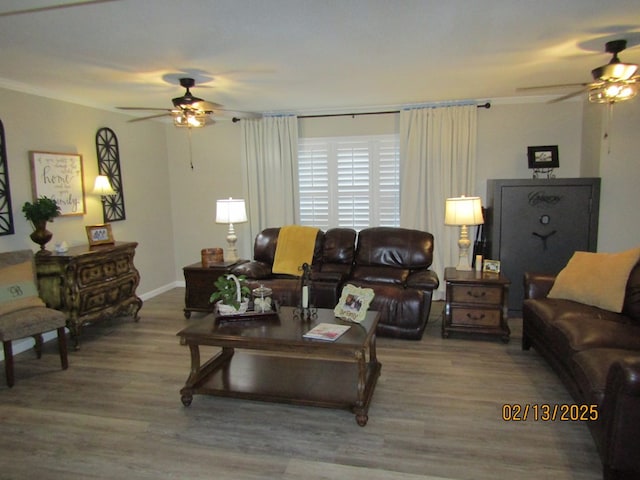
(25, 344)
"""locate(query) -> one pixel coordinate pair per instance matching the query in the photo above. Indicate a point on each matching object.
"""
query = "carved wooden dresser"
(90, 283)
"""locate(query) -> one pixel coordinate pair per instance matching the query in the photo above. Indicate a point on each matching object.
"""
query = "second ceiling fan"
(189, 111)
(614, 82)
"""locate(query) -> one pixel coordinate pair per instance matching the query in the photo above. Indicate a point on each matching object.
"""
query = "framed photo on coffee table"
(354, 303)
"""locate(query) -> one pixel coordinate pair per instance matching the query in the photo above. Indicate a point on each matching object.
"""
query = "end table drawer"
(476, 294)
(473, 317)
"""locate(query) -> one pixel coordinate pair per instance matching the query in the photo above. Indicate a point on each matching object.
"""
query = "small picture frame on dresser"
(491, 266)
(99, 234)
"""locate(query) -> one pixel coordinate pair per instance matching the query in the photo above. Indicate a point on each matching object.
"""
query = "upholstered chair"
(22, 313)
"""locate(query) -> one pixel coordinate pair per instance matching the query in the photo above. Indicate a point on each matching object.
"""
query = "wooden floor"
(436, 414)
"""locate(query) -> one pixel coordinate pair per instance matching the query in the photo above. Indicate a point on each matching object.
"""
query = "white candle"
(478, 263)
(305, 296)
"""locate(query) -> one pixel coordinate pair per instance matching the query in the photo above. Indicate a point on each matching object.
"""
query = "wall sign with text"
(59, 176)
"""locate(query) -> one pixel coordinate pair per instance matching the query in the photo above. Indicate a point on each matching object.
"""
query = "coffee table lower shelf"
(294, 380)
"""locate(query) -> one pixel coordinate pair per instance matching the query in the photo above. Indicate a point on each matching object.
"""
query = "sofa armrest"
(620, 415)
(537, 285)
(253, 270)
(423, 280)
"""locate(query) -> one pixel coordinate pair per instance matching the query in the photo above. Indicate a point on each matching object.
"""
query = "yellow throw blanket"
(295, 247)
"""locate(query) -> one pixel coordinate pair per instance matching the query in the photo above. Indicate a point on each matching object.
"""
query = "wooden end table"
(199, 282)
(476, 302)
(291, 368)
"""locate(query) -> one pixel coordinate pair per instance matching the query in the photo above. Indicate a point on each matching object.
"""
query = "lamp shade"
(231, 210)
(463, 211)
(102, 186)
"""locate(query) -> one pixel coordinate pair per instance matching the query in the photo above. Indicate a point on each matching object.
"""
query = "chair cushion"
(17, 282)
(30, 321)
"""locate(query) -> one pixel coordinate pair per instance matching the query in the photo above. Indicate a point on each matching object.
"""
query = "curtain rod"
(481, 105)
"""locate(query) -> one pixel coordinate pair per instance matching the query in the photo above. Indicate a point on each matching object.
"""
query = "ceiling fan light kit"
(190, 119)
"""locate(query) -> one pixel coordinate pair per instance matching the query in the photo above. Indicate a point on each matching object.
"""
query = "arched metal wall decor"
(109, 165)
(6, 215)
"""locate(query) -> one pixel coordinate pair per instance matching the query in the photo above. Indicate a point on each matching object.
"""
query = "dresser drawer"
(476, 294)
(475, 317)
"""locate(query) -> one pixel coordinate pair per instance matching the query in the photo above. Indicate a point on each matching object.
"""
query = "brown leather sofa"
(394, 262)
(597, 355)
(332, 259)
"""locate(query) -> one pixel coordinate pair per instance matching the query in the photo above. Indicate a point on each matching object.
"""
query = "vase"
(41, 236)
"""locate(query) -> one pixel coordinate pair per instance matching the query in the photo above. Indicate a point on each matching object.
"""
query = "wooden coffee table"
(267, 358)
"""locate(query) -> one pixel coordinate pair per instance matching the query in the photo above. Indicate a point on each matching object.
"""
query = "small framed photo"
(491, 266)
(354, 303)
(543, 157)
(99, 234)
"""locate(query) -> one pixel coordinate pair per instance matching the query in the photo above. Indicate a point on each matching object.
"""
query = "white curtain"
(437, 161)
(270, 154)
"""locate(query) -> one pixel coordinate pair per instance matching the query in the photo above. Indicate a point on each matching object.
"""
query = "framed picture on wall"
(59, 176)
(543, 157)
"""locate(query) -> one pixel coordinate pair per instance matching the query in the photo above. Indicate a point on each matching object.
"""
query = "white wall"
(619, 227)
(217, 173)
(37, 123)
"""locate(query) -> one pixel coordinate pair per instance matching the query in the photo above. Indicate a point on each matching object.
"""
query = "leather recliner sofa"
(596, 353)
(394, 262)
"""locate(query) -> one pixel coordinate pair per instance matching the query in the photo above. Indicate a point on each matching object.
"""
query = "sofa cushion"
(597, 279)
(395, 276)
(581, 333)
(339, 246)
(394, 247)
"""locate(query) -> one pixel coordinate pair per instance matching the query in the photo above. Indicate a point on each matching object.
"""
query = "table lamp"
(231, 210)
(463, 211)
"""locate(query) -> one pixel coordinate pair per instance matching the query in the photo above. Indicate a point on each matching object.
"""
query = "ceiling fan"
(188, 111)
(614, 82)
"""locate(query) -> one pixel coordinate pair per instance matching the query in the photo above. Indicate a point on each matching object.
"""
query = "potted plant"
(41, 211)
(231, 295)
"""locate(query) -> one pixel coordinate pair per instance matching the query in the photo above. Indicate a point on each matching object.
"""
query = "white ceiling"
(306, 56)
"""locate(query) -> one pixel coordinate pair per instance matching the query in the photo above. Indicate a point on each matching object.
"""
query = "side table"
(476, 302)
(199, 282)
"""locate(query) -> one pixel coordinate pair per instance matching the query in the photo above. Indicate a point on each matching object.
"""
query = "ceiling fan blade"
(559, 85)
(139, 119)
(144, 108)
(570, 95)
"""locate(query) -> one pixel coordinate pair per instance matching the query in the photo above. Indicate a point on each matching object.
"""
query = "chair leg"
(38, 345)
(8, 362)
(62, 347)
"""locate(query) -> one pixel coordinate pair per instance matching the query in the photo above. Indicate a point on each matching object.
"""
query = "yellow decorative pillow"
(295, 246)
(597, 279)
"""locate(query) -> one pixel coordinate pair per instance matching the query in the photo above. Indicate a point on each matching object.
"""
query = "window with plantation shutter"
(349, 181)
